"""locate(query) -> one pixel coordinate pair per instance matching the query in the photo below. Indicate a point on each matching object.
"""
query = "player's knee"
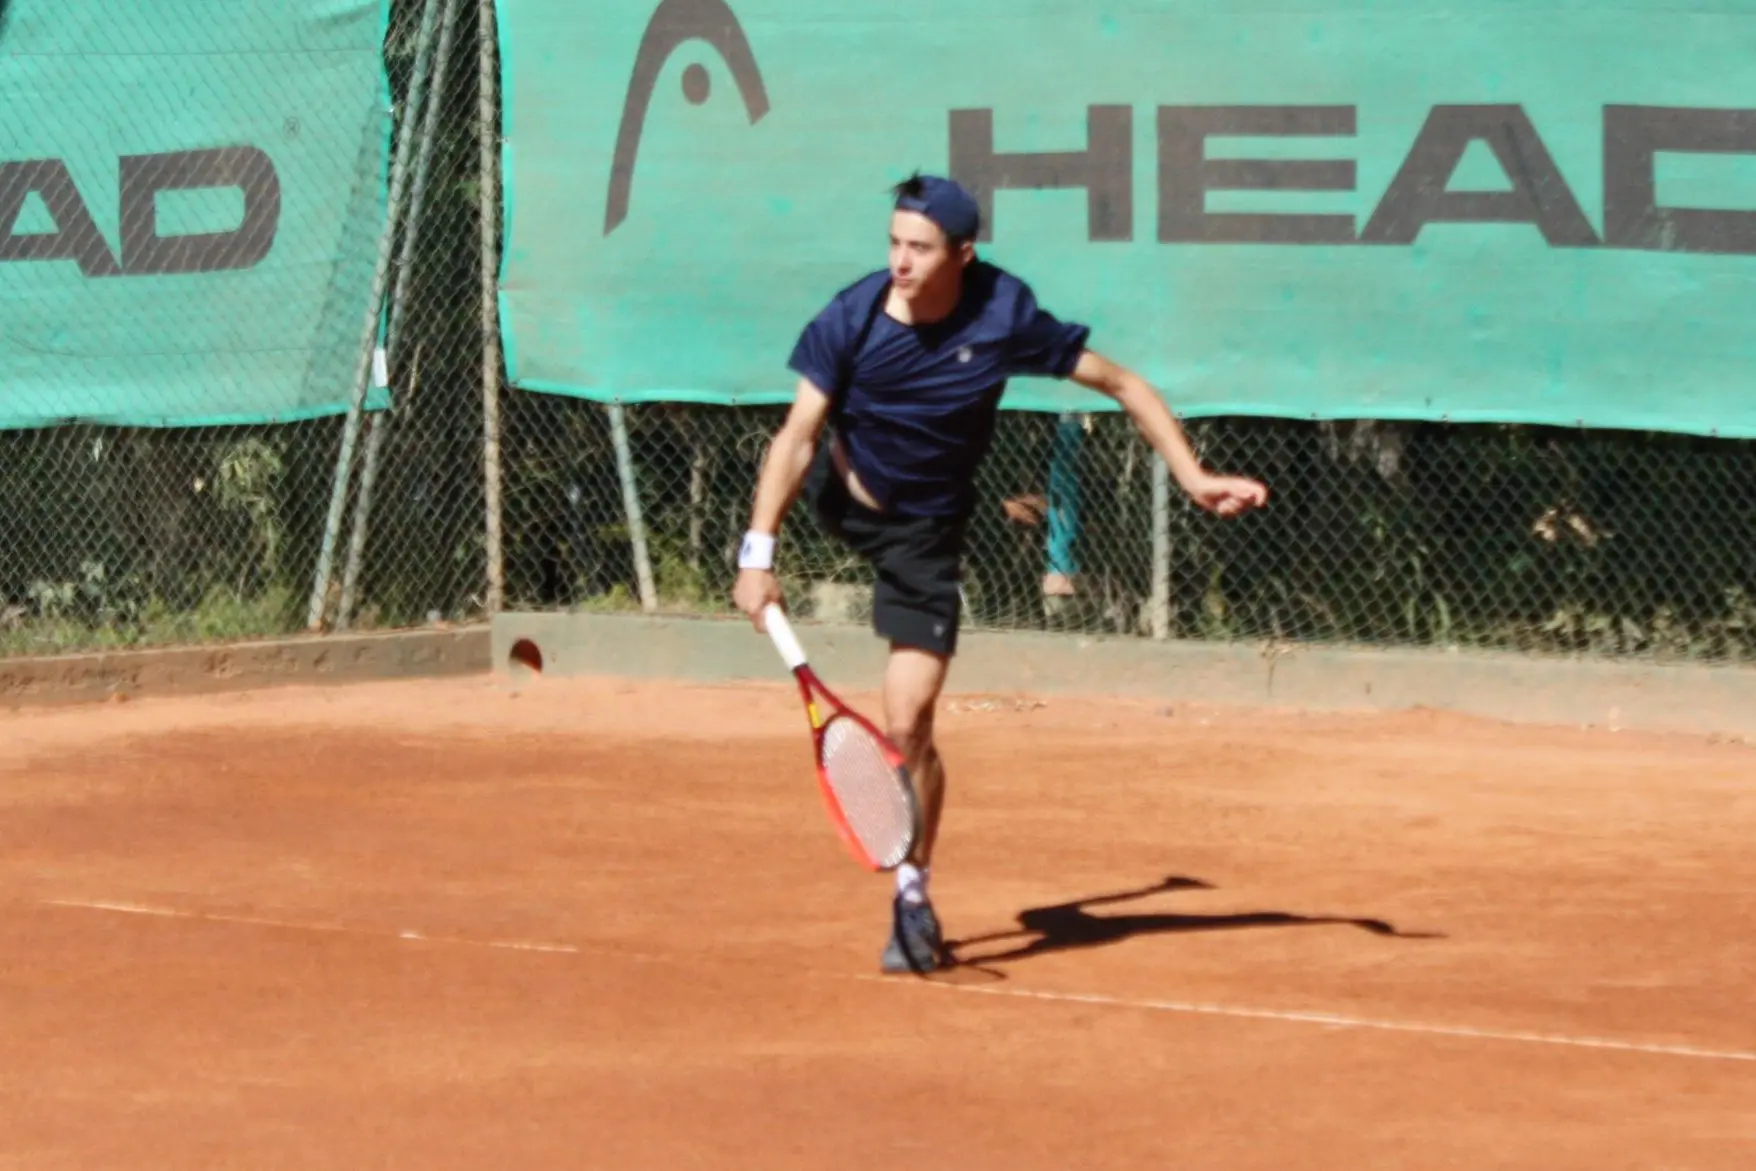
(911, 731)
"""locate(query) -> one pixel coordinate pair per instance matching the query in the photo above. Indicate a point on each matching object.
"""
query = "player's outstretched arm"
(784, 468)
(1224, 495)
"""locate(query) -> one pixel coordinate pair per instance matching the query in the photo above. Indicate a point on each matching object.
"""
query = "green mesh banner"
(191, 194)
(1538, 211)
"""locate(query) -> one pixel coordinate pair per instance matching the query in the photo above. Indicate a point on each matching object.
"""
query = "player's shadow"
(1071, 925)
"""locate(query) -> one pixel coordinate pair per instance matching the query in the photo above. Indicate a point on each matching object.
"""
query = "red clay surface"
(260, 931)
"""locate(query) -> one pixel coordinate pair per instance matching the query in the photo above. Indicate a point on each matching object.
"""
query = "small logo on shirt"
(965, 354)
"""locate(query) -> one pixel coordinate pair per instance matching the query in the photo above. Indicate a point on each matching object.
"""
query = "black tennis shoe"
(915, 941)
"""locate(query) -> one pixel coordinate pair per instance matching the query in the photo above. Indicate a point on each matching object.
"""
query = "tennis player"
(905, 367)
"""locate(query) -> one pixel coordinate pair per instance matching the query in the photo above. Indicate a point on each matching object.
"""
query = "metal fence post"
(344, 461)
(378, 425)
(1161, 549)
(488, 121)
(631, 504)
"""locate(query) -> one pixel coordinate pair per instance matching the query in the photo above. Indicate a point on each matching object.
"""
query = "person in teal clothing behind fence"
(1060, 509)
(905, 368)
(1063, 559)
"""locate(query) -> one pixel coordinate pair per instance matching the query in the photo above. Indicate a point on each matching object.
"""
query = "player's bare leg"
(913, 680)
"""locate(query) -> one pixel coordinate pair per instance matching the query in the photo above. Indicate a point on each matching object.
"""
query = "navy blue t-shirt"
(915, 405)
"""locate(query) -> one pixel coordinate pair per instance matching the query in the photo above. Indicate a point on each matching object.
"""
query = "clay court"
(598, 924)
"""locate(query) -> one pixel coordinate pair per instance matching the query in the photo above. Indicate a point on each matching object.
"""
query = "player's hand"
(753, 591)
(1227, 496)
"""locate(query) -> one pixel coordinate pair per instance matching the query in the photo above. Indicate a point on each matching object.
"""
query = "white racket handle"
(785, 641)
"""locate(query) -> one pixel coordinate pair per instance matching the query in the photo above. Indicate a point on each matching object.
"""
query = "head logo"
(141, 178)
(675, 22)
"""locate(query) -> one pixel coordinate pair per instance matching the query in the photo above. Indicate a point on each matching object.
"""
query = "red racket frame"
(811, 688)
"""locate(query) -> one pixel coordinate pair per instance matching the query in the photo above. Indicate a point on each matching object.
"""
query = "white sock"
(911, 882)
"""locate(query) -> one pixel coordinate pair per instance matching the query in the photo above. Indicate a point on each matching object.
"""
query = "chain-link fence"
(142, 535)
(1378, 533)
(458, 502)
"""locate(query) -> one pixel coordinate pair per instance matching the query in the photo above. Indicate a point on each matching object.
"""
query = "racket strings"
(873, 796)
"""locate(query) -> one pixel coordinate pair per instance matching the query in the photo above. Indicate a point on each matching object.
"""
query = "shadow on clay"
(1071, 925)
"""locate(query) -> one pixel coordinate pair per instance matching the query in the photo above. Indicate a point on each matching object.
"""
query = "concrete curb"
(317, 659)
(1680, 698)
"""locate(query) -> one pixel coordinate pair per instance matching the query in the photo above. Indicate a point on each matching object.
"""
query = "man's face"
(921, 261)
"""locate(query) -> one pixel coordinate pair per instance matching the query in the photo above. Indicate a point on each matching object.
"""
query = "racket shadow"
(1071, 926)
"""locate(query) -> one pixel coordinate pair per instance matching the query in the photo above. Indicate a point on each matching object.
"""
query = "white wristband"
(757, 551)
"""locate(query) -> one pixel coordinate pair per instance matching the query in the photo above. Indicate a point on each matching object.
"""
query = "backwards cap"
(946, 204)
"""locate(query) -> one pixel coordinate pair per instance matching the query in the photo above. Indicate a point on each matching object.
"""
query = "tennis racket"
(864, 782)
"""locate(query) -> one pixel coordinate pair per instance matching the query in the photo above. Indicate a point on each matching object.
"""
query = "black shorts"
(918, 561)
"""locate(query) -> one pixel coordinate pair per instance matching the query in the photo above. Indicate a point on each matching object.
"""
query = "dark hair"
(914, 187)
(910, 188)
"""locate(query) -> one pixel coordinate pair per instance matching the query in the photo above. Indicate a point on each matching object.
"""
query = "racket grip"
(785, 641)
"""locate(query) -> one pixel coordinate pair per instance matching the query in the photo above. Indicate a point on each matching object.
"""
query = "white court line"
(1332, 1020)
(1327, 1020)
(288, 925)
